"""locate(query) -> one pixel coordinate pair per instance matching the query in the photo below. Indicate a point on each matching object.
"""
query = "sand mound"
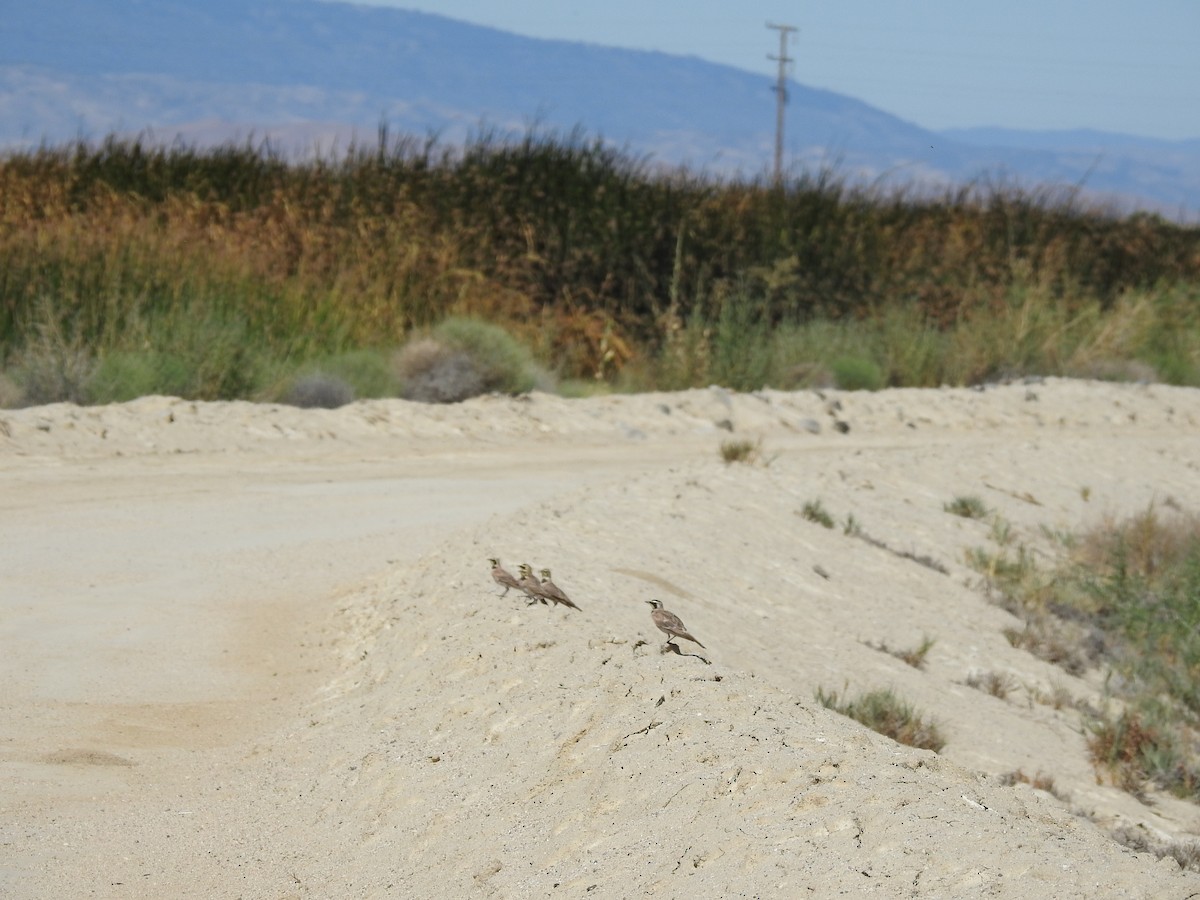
(465, 744)
(518, 749)
(168, 425)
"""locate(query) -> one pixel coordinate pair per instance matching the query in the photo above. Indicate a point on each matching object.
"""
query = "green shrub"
(502, 363)
(328, 382)
(368, 373)
(857, 373)
(225, 359)
(740, 354)
(432, 372)
(123, 376)
(578, 388)
(464, 358)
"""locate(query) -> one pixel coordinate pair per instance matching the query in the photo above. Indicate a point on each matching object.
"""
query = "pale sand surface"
(254, 651)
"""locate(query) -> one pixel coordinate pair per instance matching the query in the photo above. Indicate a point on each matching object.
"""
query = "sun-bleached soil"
(255, 651)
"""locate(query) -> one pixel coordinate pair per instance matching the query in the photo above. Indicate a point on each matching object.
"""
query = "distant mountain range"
(313, 75)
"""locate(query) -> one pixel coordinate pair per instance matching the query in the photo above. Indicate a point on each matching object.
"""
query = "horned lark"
(669, 623)
(553, 592)
(503, 577)
(530, 585)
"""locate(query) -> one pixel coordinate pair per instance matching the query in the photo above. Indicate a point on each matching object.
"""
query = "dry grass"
(1057, 697)
(969, 507)
(998, 684)
(1053, 640)
(814, 511)
(741, 450)
(1039, 781)
(913, 656)
(1185, 853)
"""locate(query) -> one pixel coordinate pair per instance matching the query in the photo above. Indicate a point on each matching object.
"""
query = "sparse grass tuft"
(1057, 642)
(1119, 745)
(1058, 697)
(913, 656)
(883, 711)
(814, 511)
(1002, 531)
(969, 507)
(1040, 781)
(740, 450)
(998, 684)
(1011, 579)
(1186, 853)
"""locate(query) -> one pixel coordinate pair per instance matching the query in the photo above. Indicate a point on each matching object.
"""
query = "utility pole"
(780, 95)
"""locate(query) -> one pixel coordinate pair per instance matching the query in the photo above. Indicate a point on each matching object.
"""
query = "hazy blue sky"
(1040, 64)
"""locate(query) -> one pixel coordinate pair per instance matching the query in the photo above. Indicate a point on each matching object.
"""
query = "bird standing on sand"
(552, 591)
(530, 585)
(670, 624)
(503, 577)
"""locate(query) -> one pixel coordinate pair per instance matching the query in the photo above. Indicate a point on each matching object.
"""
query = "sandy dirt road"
(155, 606)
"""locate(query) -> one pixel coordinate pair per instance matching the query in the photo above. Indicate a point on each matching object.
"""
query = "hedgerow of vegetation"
(226, 272)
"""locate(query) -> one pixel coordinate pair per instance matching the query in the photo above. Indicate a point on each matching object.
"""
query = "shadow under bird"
(503, 577)
(552, 591)
(669, 624)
